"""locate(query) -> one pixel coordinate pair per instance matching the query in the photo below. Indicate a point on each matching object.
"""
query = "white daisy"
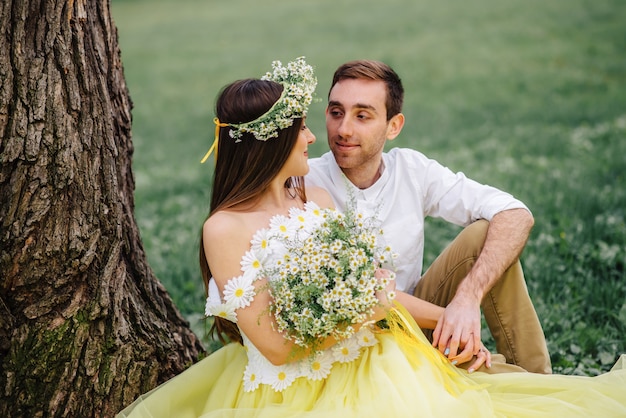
(312, 217)
(320, 365)
(313, 209)
(366, 337)
(346, 350)
(251, 379)
(239, 291)
(299, 219)
(282, 377)
(250, 264)
(223, 310)
(261, 243)
(281, 225)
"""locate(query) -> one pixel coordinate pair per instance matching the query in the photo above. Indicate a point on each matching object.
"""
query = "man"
(480, 268)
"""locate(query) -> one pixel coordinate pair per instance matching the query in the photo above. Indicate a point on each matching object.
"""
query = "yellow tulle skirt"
(402, 376)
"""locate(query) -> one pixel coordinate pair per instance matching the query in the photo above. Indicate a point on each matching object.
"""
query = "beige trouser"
(507, 307)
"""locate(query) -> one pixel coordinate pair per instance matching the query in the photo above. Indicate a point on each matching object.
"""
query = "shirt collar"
(371, 193)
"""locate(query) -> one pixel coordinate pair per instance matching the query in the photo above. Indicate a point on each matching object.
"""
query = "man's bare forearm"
(506, 237)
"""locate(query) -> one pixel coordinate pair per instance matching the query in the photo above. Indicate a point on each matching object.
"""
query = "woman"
(264, 228)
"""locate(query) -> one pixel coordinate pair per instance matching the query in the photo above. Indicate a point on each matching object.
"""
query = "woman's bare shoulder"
(319, 196)
(222, 223)
(226, 238)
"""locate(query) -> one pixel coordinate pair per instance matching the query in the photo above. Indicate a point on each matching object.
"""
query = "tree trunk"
(84, 325)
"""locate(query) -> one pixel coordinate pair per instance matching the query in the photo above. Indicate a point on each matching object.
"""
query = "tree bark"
(85, 326)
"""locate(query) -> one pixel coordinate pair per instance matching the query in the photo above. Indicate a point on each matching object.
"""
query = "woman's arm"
(226, 239)
(426, 314)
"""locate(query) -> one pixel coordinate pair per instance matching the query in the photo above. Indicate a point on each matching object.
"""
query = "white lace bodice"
(239, 293)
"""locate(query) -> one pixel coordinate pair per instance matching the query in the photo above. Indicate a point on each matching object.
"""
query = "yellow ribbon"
(218, 125)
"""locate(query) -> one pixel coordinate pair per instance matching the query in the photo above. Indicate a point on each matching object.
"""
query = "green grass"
(529, 96)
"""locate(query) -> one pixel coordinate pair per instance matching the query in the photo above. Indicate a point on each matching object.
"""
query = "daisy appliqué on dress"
(239, 293)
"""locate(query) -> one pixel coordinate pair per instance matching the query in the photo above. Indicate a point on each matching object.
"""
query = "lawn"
(528, 96)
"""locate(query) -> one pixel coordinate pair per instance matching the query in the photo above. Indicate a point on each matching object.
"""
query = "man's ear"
(394, 126)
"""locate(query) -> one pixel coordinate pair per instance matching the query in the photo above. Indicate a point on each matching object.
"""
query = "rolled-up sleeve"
(460, 200)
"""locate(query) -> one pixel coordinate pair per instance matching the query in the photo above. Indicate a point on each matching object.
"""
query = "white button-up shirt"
(410, 188)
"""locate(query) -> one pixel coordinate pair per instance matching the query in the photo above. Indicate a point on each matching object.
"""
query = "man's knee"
(440, 281)
(473, 236)
(467, 245)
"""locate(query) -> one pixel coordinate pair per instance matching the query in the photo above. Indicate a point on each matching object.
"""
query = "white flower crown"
(298, 87)
(298, 83)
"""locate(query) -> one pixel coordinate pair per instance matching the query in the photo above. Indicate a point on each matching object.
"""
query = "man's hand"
(458, 328)
(459, 325)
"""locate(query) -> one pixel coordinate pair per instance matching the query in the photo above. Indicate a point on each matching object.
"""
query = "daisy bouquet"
(322, 280)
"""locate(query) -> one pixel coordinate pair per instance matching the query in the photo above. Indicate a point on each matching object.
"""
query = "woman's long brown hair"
(244, 170)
